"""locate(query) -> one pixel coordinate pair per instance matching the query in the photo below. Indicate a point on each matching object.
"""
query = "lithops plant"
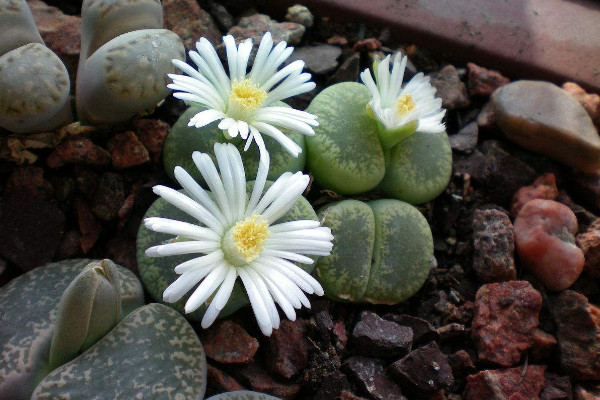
(34, 83)
(382, 251)
(125, 58)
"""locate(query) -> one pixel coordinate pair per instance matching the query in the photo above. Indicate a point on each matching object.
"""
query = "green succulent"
(382, 251)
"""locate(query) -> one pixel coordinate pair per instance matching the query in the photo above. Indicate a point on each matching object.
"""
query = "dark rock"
(465, 139)
(152, 133)
(108, 197)
(337, 40)
(348, 71)
(29, 181)
(259, 380)
(578, 332)
(87, 181)
(122, 250)
(493, 246)
(587, 186)
(369, 44)
(450, 88)
(461, 364)
(544, 187)
(127, 151)
(482, 81)
(89, 226)
(223, 18)
(30, 231)
(519, 383)
(228, 343)
(472, 164)
(332, 386)
(423, 331)
(450, 331)
(557, 388)
(220, 381)
(505, 315)
(190, 22)
(424, 371)
(376, 337)
(589, 243)
(256, 25)
(347, 395)
(370, 375)
(587, 391)
(319, 59)
(542, 347)
(78, 150)
(287, 349)
(486, 119)
(70, 245)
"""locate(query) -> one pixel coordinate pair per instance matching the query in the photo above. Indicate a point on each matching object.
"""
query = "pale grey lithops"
(17, 26)
(29, 312)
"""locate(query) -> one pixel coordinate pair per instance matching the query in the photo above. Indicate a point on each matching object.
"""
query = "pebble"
(261, 381)
(301, 15)
(541, 117)
(587, 391)
(287, 348)
(505, 315)
(332, 385)
(78, 150)
(122, 250)
(376, 337)
(29, 181)
(465, 140)
(557, 388)
(450, 88)
(519, 383)
(423, 331)
(220, 381)
(369, 44)
(578, 333)
(337, 40)
(461, 364)
(544, 187)
(482, 81)
(369, 374)
(587, 186)
(228, 343)
(589, 101)
(223, 18)
(127, 151)
(544, 237)
(542, 347)
(319, 59)
(152, 133)
(493, 246)
(423, 372)
(190, 22)
(256, 25)
(89, 226)
(109, 196)
(589, 243)
(472, 164)
(69, 245)
(348, 71)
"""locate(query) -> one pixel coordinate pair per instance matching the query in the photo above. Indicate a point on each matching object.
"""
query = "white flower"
(238, 236)
(397, 107)
(243, 102)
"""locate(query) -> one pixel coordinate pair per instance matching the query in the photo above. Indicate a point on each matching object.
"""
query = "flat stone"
(287, 348)
(220, 381)
(450, 88)
(78, 150)
(423, 372)
(505, 315)
(541, 117)
(256, 25)
(127, 151)
(578, 332)
(589, 101)
(519, 383)
(229, 343)
(557, 388)
(465, 140)
(482, 81)
(493, 246)
(377, 337)
(152, 133)
(589, 243)
(370, 375)
(30, 230)
(544, 187)
(319, 59)
(259, 380)
(542, 347)
(29, 181)
(109, 196)
(544, 237)
(423, 331)
(190, 22)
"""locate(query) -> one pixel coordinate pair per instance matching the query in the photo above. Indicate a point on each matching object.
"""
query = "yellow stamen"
(249, 236)
(405, 104)
(247, 94)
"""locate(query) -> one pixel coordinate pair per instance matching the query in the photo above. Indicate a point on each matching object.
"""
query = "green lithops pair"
(79, 328)
(382, 251)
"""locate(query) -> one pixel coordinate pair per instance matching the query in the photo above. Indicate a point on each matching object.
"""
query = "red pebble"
(544, 187)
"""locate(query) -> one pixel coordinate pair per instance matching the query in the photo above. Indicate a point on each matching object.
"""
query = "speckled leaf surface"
(345, 155)
(152, 354)
(403, 252)
(344, 273)
(27, 317)
(157, 273)
(242, 395)
(418, 168)
(183, 140)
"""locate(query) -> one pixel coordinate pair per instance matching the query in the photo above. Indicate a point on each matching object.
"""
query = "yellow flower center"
(245, 240)
(405, 104)
(247, 94)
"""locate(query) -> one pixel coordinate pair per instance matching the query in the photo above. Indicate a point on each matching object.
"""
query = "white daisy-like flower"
(243, 102)
(402, 110)
(239, 236)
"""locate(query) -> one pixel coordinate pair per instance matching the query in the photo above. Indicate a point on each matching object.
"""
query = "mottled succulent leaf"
(28, 310)
(157, 273)
(418, 168)
(242, 395)
(17, 27)
(153, 353)
(345, 155)
(126, 75)
(183, 140)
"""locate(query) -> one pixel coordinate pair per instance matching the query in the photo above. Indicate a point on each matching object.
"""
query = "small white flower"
(238, 236)
(397, 107)
(243, 102)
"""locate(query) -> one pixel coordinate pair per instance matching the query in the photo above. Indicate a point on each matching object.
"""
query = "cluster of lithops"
(34, 83)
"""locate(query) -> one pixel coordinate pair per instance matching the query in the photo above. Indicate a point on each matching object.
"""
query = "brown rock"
(122, 250)
(229, 343)
(589, 101)
(70, 245)
(287, 348)
(152, 133)
(127, 151)
(557, 388)
(370, 375)
(301, 15)
(493, 246)
(589, 243)
(348, 71)
(578, 332)
(544, 187)
(543, 344)
(347, 395)
(465, 140)
(543, 118)
(461, 364)
(89, 226)
(256, 25)
(29, 181)
(423, 331)
(319, 59)
(190, 22)
(450, 88)
(374, 336)
(544, 239)
(482, 81)
(587, 392)
(369, 44)
(220, 381)
(588, 188)
(78, 150)
(519, 383)
(337, 40)
(505, 315)
(260, 381)
(108, 196)
(486, 119)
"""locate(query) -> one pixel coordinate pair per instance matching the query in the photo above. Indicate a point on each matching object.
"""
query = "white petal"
(276, 134)
(265, 295)
(200, 263)
(259, 182)
(179, 228)
(182, 285)
(211, 176)
(205, 117)
(220, 299)
(207, 287)
(188, 247)
(259, 308)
